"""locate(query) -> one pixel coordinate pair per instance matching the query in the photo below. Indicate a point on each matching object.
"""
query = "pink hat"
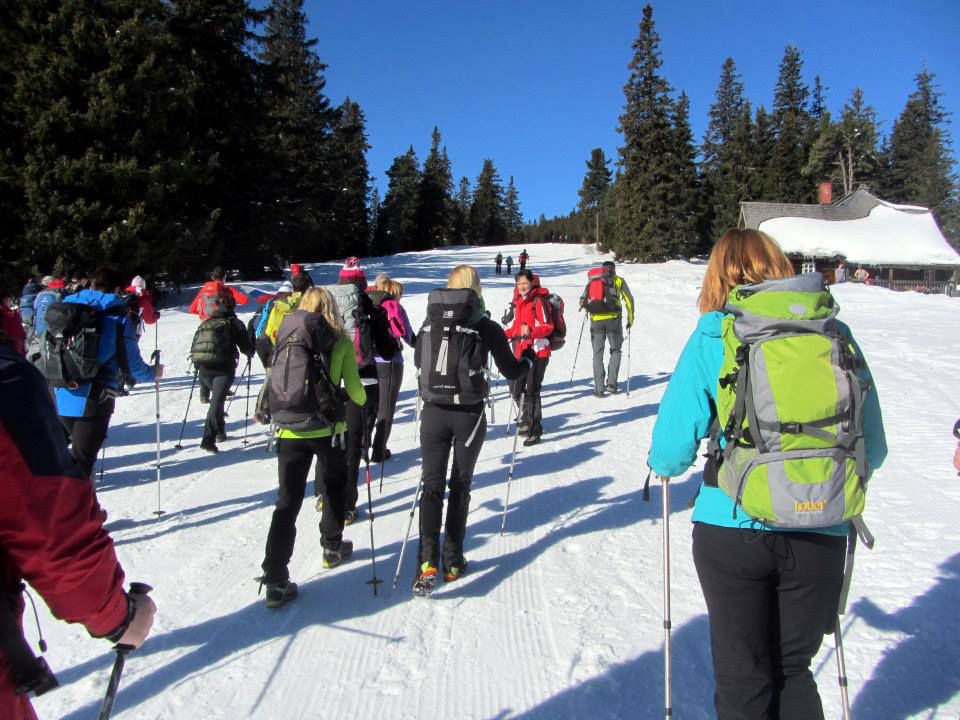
(351, 272)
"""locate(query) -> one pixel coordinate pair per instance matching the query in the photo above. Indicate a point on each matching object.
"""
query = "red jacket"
(148, 313)
(51, 532)
(13, 327)
(212, 287)
(531, 311)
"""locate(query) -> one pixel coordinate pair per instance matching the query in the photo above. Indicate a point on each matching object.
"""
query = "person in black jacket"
(215, 353)
(465, 426)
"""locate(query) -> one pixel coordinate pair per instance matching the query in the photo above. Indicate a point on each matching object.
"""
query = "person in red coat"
(10, 321)
(214, 294)
(137, 291)
(531, 328)
(51, 536)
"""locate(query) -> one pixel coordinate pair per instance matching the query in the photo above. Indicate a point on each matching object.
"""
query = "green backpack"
(790, 406)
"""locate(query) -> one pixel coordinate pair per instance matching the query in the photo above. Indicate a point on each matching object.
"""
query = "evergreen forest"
(169, 136)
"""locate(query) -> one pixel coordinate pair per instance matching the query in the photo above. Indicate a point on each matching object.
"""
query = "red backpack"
(600, 295)
(559, 335)
(216, 300)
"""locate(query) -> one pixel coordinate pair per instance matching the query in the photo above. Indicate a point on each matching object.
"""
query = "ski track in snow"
(561, 616)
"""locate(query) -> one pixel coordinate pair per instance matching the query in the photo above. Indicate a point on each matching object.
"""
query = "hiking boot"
(523, 429)
(332, 558)
(455, 571)
(599, 393)
(425, 581)
(222, 436)
(280, 593)
(349, 516)
(612, 389)
(210, 446)
(532, 440)
(378, 457)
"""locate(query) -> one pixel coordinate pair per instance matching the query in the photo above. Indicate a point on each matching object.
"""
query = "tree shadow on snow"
(634, 689)
(923, 671)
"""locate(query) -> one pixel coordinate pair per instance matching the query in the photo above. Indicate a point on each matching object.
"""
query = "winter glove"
(529, 355)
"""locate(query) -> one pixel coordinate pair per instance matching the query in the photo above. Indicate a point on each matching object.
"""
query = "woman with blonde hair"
(312, 339)
(771, 593)
(453, 414)
(386, 294)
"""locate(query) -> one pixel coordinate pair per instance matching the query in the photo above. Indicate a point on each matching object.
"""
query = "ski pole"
(513, 457)
(667, 694)
(236, 387)
(156, 394)
(841, 669)
(577, 353)
(246, 414)
(122, 651)
(196, 372)
(366, 459)
(103, 458)
(403, 545)
(628, 361)
(391, 408)
(416, 413)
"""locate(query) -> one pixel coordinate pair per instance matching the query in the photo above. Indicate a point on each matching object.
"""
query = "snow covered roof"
(860, 228)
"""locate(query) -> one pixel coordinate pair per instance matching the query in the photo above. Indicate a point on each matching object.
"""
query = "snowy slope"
(561, 616)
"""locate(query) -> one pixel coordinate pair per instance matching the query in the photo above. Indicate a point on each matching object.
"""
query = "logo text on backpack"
(809, 506)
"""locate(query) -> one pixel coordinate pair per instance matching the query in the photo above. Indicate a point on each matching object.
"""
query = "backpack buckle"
(793, 428)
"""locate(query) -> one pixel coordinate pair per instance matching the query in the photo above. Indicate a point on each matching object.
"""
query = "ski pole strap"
(646, 486)
(30, 673)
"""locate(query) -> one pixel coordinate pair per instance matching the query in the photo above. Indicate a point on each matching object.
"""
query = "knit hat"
(295, 269)
(351, 272)
(138, 283)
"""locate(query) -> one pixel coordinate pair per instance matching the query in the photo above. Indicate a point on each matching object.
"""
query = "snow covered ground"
(560, 617)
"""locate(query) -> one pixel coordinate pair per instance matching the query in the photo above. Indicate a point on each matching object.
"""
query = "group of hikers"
(523, 257)
(771, 564)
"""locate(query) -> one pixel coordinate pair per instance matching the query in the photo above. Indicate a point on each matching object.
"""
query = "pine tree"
(594, 190)
(792, 123)
(14, 44)
(397, 223)
(434, 221)
(727, 153)
(647, 217)
(762, 181)
(512, 217)
(350, 219)
(846, 151)
(685, 191)
(919, 166)
(461, 213)
(486, 210)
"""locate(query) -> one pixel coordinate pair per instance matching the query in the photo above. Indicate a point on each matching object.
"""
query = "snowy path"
(561, 616)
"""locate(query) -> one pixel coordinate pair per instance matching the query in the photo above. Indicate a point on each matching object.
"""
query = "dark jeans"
(439, 427)
(606, 331)
(529, 386)
(771, 597)
(360, 423)
(88, 433)
(294, 459)
(389, 379)
(217, 382)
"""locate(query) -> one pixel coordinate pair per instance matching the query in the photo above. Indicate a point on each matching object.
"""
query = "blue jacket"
(27, 296)
(45, 298)
(73, 402)
(687, 412)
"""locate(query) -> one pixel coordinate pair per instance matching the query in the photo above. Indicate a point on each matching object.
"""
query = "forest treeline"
(173, 135)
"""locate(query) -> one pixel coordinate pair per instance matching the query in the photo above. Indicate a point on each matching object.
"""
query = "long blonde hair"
(318, 299)
(393, 288)
(464, 276)
(740, 257)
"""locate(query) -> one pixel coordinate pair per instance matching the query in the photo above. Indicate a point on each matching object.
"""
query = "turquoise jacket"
(687, 412)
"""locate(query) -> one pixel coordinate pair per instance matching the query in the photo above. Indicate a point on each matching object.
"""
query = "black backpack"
(213, 343)
(449, 352)
(301, 396)
(68, 353)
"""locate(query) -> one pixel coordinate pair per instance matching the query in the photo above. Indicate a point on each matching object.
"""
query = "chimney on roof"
(825, 193)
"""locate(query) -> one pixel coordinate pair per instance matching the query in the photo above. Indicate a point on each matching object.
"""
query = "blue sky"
(535, 85)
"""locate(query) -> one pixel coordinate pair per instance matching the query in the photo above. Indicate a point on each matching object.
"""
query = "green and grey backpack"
(790, 406)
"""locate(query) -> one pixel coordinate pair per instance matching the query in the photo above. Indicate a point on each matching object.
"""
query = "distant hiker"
(840, 273)
(11, 322)
(499, 262)
(531, 329)
(53, 538)
(861, 275)
(141, 303)
(369, 330)
(53, 291)
(771, 594)
(215, 296)
(451, 351)
(314, 358)
(257, 325)
(27, 295)
(509, 264)
(85, 407)
(524, 259)
(386, 294)
(604, 298)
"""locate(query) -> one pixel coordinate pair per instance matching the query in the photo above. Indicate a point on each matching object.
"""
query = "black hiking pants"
(294, 459)
(88, 433)
(217, 381)
(389, 379)
(440, 427)
(528, 386)
(771, 597)
(360, 424)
